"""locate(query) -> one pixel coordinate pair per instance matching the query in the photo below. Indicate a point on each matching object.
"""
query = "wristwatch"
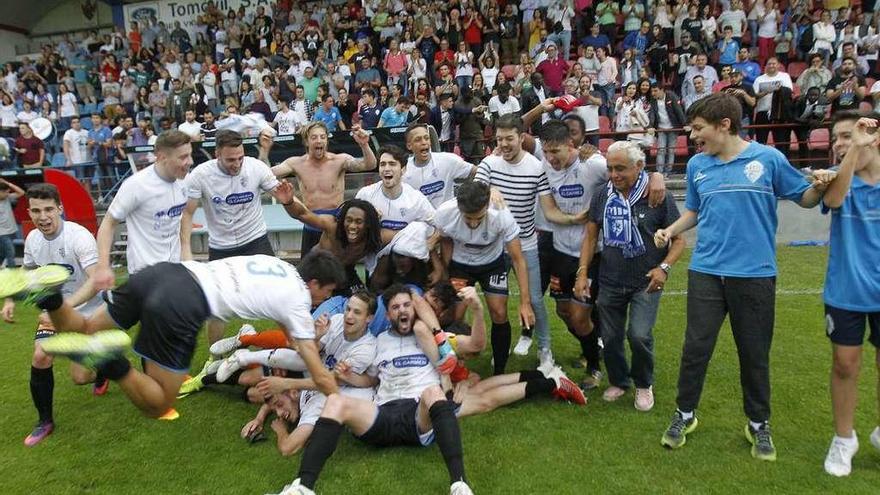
(665, 267)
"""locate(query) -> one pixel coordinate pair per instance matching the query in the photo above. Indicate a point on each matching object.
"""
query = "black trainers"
(762, 442)
(676, 435)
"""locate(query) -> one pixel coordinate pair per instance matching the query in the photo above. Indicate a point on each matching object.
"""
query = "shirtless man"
(321, 174)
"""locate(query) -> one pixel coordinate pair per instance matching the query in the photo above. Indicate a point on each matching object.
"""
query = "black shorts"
(260, 245)
(491, 277)
(563, 275)
(171, 308)
(846, 327)
(396, 424)
(310, 239)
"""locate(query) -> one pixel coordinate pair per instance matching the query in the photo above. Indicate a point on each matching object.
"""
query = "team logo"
(330, 362)
(431, 188)
(617, 227)
(217, 200)
(754, 170)
(243, 181)
(571, 191)
(61, 251)
(239, 198)
(485, 236)
(411, 361)
(700, 176)
(392, 224)
(403, 212)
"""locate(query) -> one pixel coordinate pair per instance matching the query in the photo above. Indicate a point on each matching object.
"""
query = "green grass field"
(104, 446)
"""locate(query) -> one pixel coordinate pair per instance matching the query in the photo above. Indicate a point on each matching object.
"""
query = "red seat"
(795, 69)
(604, 124)
(819, 139)
(681, 146)
(793, 146)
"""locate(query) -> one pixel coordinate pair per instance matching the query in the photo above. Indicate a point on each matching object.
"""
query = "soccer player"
(321, 174)
(171, 302)
(409, 409)
(732, 190)
(345, 345)
(150, 203)
(520, 179)
(473, 238)
(396, 202)
(573, 181)
(229, 188)
(64, 243)
(433, 173)
(852, 282)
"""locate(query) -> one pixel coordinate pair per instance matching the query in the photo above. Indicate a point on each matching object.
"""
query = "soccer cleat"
(676, 435)
(523, 345)
(838, 462)
(613, 393)
(762, 442)
(88, 350)
(644, 399)
(229, 366)
(194, 383)
(33, 282)
(100, 388)
(460, 488)
(41, 431)
(170, 415)
(592, 380)
(296, 488)
(566, 389)
(224, 346)
(875, 438)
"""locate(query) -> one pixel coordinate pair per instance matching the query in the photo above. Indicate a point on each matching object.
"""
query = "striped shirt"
(520, 184)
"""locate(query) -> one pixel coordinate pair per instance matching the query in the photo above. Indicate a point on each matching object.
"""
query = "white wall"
(68, 16)
(8, 40)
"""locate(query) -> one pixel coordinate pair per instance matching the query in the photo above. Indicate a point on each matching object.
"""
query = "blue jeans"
(665, 150)
(563, 38)
(542, 323)
(8, 249)
(464, 81)
(608, 99)
(613, 303)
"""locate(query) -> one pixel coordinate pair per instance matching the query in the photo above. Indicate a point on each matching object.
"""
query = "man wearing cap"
(553, 68)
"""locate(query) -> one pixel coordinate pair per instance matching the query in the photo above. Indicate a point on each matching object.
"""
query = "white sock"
(686, 415)
(850, 440)
(254, 357)
(287, 359)
(755, 425)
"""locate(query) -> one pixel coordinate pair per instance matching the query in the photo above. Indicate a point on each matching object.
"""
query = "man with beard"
(744, 94)
(846, 89)
(320, 174)
(410, 408)
(432, 173)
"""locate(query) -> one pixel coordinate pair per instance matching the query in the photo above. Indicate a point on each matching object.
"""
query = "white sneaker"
(460, 488)
(644, 399)
(838, 462)
(224, 346)
(523, 345)
(296, 489)
(229, 366)
(875, 438)
(545, 361)
(613, 393)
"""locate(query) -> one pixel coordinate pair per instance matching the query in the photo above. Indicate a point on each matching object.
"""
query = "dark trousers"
(750, 302)
(781, 137)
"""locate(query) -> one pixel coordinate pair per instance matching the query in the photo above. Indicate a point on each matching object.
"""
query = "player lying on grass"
(171, 302)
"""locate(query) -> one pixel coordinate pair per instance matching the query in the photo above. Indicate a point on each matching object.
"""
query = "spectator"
(684, 58)
(824, 36)
(76, 149)
(710, 76)
(396, 116)
(471, 116)
(630, 67)
(700, 92)
(638, 40)
(670, 115)
(846, 89)
(190, 126)
(489, 67)
(99, 140)
(9, 193)
(503, 103)
(728, 48)
(367, 76)
(745, 95)
(370, 112)
(553, 69)
(596, 39)
(27, 113)
(770, 94)
(749, 68)
(443, 120)
(330, 116)
(809, 112)
(560, 14)
(848, 49)
(631, 116)
(768, 18)
(30, 149)
(67, 107)
(606, 17)
(734, 17)
(464, 65)
(816, 75)
(510, 34)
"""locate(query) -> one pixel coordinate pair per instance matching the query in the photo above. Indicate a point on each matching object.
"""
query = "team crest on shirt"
(485, 236)
(403, 212)
(217, 200)
(243, 181)
(61, 251)
(754, 170)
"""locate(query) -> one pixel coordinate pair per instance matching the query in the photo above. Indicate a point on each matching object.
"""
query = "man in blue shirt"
(728, 48)
(638, 41)
(596, 39)
(397, 115)
(852, 282)
(329, 114)
(751, 70)
(732, 191)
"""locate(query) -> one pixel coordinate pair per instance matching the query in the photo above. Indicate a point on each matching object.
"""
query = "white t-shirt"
(192, 129)
(79, 152)
(768, 27)
(73, 248)
(257, 287)
(463, 66)
(510, 106)
(395, 214)
(289, 122)
(232, 205)
(68, 108)
(403, 369)
(520, 184)
(7, 116)
(151, 207)
(479, 246)
(490, 75)
(573, 190)
(436, 179)
(764, 82)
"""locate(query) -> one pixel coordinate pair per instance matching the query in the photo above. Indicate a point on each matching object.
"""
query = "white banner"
(185, 11)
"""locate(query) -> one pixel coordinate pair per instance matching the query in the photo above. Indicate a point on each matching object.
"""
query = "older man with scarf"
(633, 270)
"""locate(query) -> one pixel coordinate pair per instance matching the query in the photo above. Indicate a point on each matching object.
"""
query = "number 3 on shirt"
(272, 270)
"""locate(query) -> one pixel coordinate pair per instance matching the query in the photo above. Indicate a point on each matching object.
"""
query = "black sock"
(115, 369)
(42, 390)
(50, 302)
(318, 449)
(539, 386)
(529, 375)
(500, 345)
(209, 379)
(590, 348)
(448, 438)
(99, 378)
(232, 380)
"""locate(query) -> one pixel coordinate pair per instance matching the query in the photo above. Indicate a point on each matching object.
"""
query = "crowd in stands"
(622, 66)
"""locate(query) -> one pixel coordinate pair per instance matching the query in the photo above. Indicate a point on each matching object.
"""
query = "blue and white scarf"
(620, 230)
